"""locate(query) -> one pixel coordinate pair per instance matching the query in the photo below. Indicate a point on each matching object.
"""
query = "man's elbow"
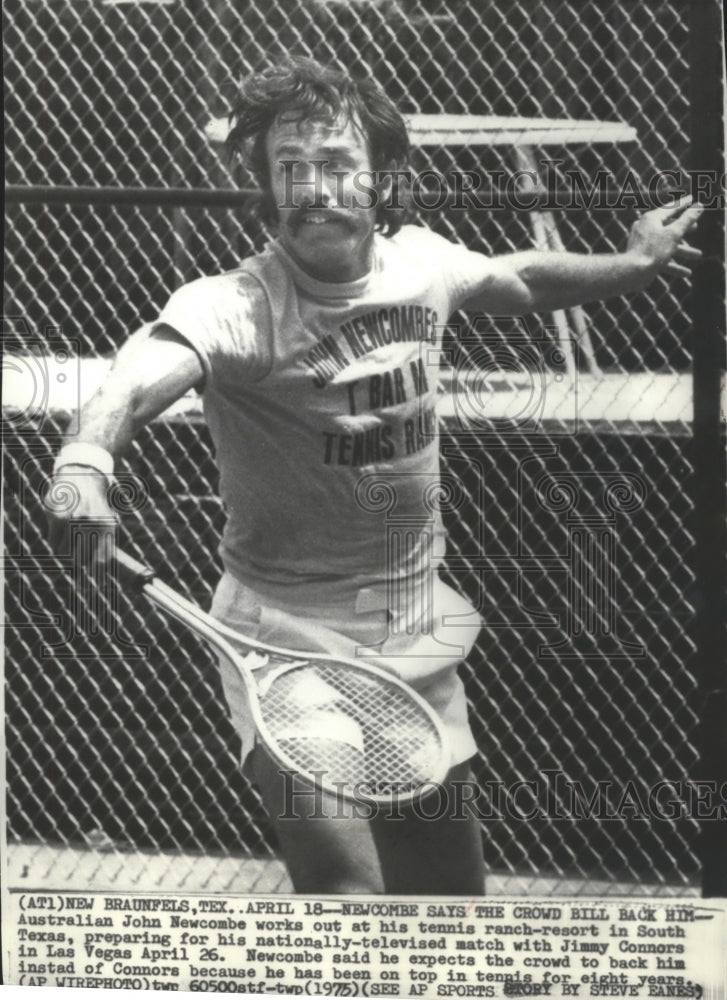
(516, 301)
(527, 287)
(509, 287)
(523, 301)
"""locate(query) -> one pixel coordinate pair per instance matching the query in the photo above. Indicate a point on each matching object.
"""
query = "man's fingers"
(690, 253)
(669, 212)
(687, 220)
(673, 268)
(58, 535)
(93, 543)
(88, 540)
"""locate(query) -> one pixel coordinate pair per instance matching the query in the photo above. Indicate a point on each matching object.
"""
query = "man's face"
(326, 222)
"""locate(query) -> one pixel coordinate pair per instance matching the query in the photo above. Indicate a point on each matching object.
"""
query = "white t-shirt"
(320, 399)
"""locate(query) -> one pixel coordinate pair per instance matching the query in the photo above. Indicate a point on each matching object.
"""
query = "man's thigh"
(436, 848)
(327, 847)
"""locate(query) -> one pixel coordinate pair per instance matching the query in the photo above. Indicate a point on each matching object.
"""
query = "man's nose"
(313, 185)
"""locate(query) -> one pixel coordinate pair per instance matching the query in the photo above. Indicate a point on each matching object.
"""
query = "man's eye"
(339, 163)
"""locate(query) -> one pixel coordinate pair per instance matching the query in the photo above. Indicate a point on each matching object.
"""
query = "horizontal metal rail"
(484, 199)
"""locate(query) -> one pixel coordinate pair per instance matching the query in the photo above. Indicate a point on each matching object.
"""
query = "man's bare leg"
(327, 848)
(437, 856)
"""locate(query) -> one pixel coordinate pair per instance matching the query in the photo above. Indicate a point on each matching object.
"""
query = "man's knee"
(322, 858)
(334, 881)
(327, 850)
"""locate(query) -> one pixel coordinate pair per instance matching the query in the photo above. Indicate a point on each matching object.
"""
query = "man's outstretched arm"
(540, 281)
(148, 375)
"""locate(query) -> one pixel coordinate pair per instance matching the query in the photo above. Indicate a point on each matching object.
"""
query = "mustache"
(300, 216)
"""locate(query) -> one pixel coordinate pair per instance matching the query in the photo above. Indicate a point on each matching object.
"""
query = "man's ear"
(385, 181)
(267, 208)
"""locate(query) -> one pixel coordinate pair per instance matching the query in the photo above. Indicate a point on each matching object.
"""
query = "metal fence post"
(709, 441)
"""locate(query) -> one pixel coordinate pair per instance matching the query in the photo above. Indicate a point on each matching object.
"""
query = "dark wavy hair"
(301, 86)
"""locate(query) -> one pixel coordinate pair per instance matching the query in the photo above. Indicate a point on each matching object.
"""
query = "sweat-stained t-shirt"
(320, 399)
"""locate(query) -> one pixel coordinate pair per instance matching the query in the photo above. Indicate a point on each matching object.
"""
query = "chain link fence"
(573, 535)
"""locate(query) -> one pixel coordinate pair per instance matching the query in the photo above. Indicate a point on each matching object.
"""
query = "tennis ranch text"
(362, 948)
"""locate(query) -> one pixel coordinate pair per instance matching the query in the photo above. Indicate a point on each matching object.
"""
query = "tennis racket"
(348, 728)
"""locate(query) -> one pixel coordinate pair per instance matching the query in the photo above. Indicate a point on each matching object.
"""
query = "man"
(311, 361)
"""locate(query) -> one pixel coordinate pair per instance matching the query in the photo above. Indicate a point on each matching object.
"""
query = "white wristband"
(92, 455)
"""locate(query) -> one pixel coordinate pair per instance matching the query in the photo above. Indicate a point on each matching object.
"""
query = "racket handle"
(131, 571)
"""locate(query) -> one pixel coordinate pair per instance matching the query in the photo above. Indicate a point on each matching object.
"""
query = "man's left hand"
(658, 237)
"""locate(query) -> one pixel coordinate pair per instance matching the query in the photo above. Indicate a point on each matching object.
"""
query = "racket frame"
(221, 638)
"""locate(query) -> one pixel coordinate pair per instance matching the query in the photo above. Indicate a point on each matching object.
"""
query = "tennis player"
(312, 362)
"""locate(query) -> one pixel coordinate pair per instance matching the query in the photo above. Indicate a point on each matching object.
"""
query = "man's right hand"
(151, 371)
(77, 497)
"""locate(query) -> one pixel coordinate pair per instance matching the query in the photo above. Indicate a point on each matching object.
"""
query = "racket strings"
(355, 727)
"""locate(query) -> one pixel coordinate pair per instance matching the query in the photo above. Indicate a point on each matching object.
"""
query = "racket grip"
(132, 572)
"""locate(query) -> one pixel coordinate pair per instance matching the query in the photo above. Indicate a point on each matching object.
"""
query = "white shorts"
(422, 645)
